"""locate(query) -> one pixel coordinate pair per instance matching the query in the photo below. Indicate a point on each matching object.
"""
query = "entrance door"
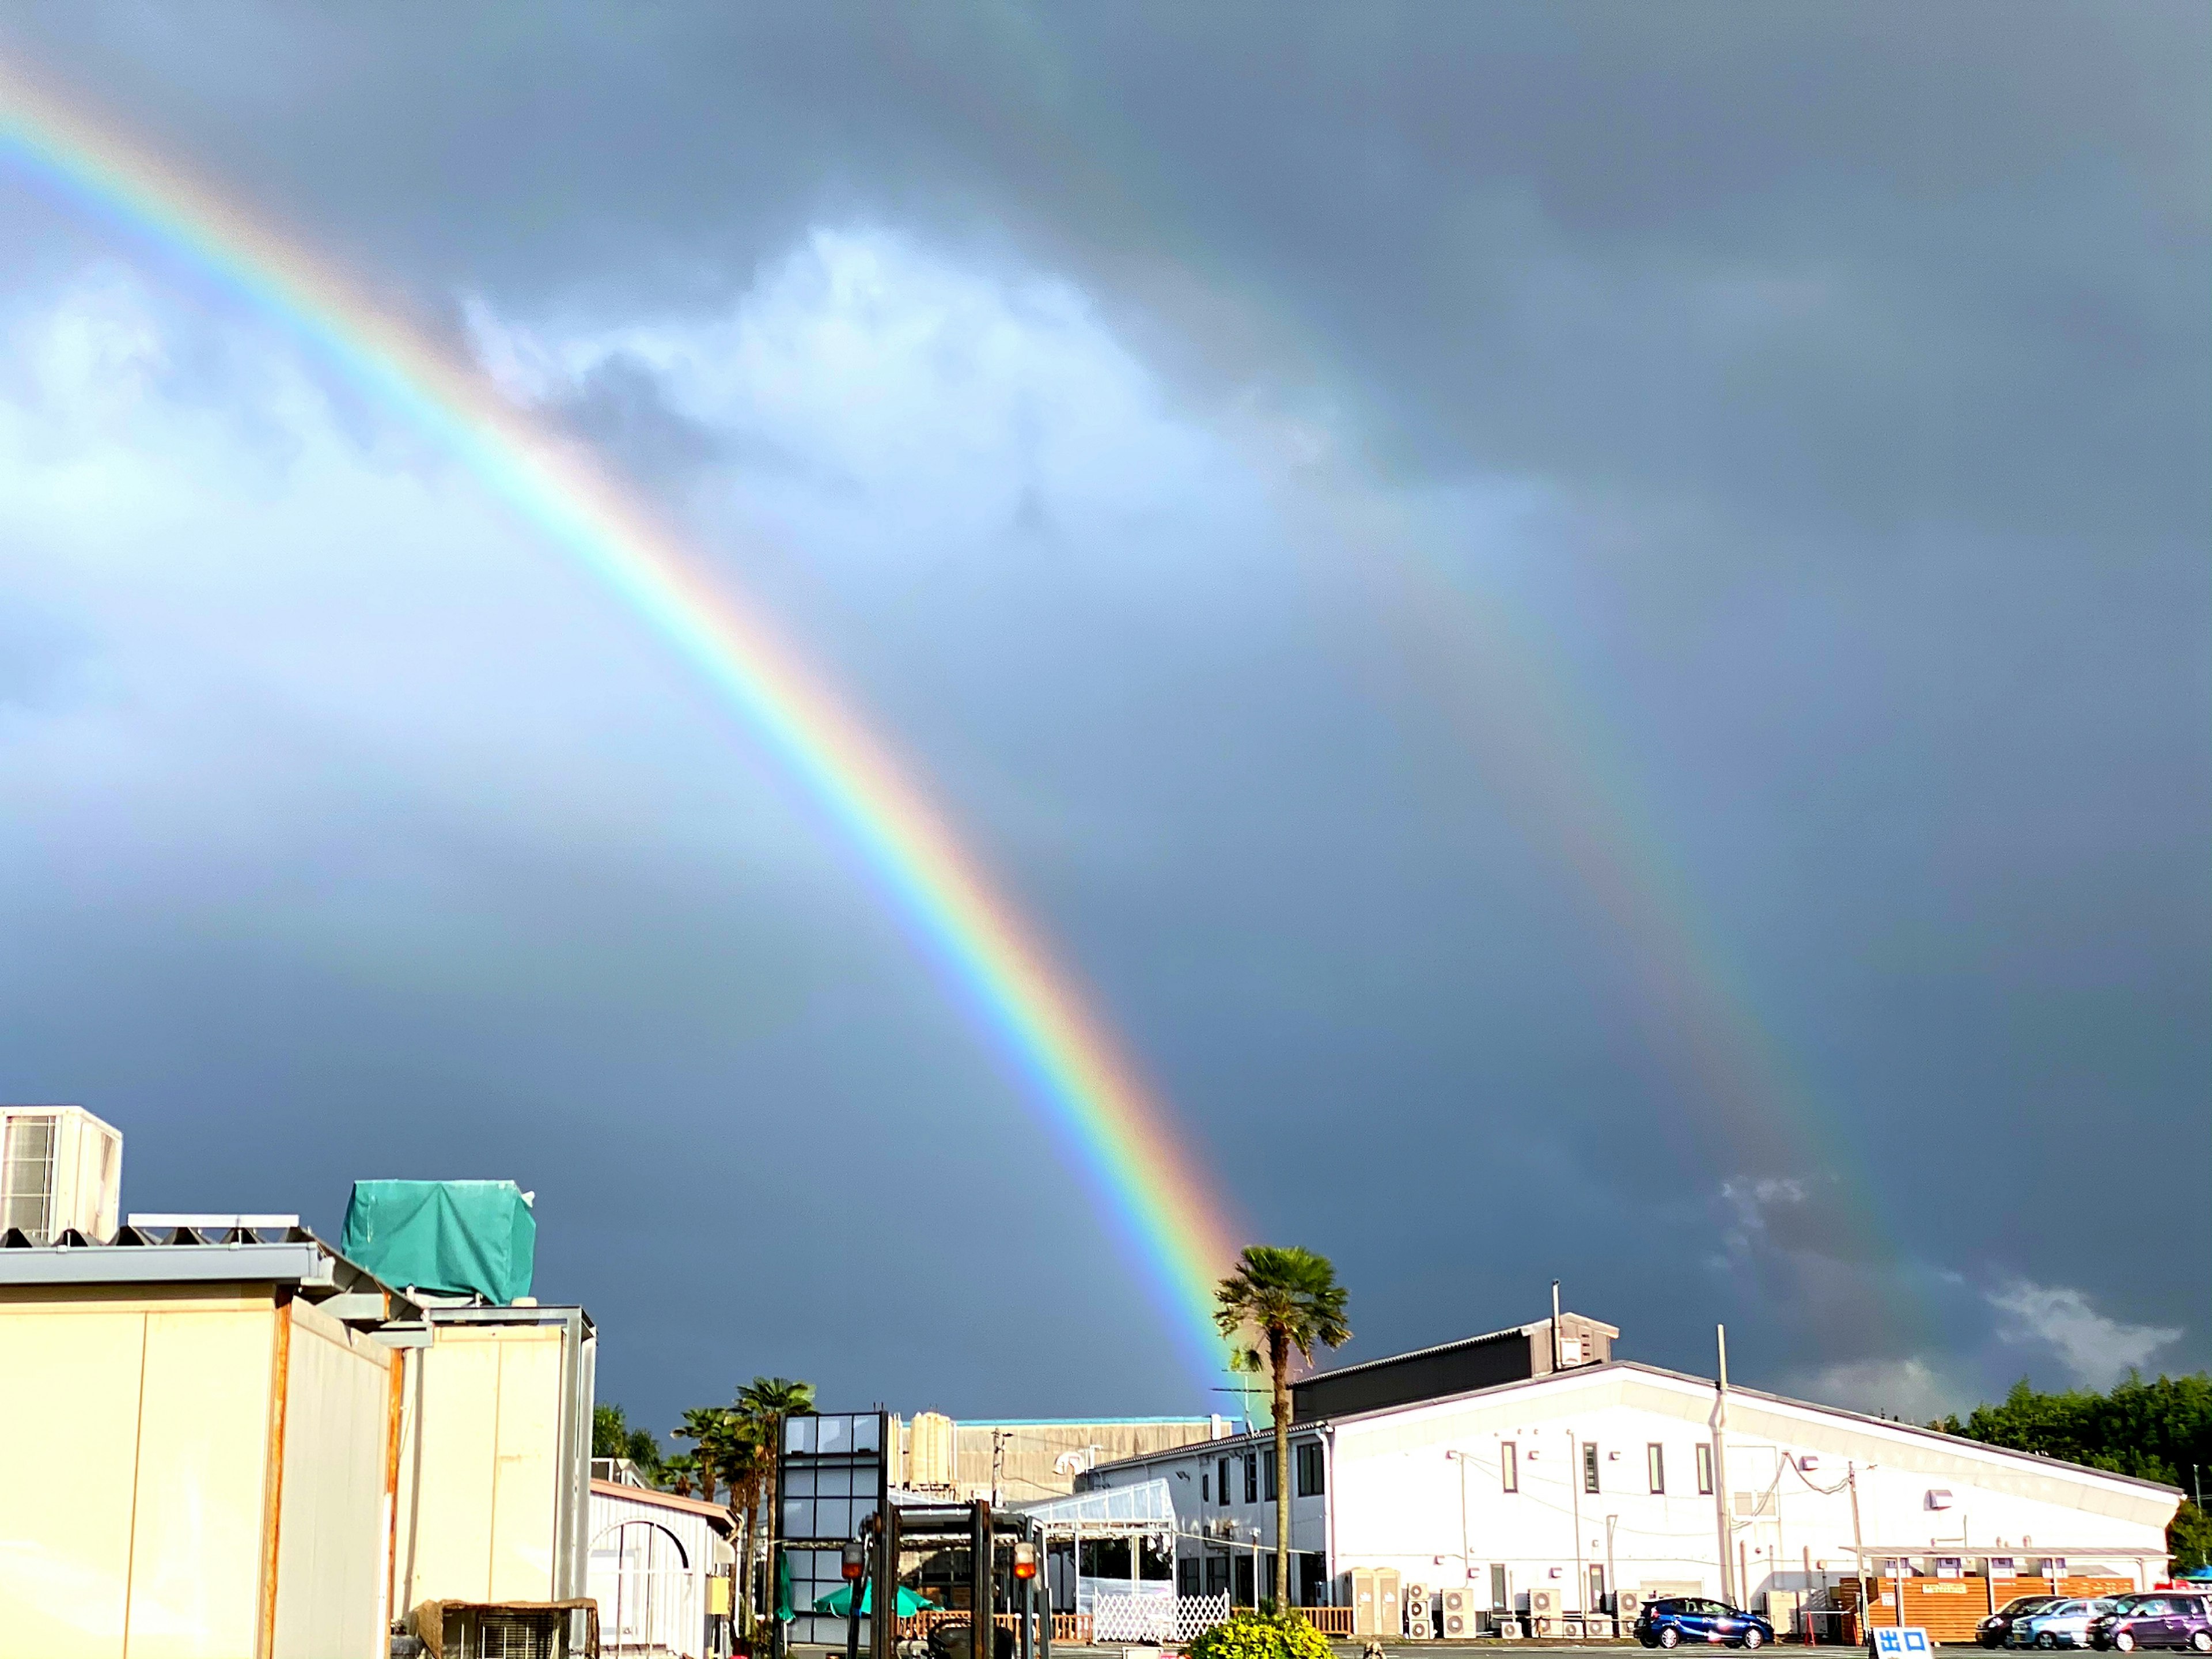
(1243, 1565)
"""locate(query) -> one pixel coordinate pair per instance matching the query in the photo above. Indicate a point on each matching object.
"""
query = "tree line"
(2159, 1430)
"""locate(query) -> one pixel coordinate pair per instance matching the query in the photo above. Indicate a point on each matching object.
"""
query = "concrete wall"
(1036, 1459)
(141, 1514)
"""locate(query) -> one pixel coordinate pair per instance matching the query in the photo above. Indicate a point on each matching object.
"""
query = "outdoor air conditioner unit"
(1457, 1621)
(1543, 1604)
(1627, 1604)
(60, 1168)
(1597, 1627)
(1505, 1626)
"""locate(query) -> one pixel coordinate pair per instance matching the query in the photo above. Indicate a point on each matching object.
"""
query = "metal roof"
(1529, 1328)
(287, 1254)
(1573, 1375)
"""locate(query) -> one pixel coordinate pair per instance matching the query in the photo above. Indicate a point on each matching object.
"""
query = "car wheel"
(2200, 1640)
(1668, 1636)
(2123, 1642)
(1753, 1637)
(2045, 1640)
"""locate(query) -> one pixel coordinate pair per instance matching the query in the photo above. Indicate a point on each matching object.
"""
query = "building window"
(1251, 1477)
(1274, 1476)
(1654, 1463)
(1508, 1465)
(1312, 1578)
(1590, 1466)
(1206, 1489)
(1596, 1602)
(1310, 1476)
(1705, 1470)
(1186, 1576)
(1221, 1479)
(1500, 1595)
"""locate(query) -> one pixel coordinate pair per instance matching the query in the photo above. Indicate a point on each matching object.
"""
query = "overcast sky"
(1591, 626)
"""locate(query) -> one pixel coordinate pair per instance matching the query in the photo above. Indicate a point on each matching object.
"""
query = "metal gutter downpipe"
(1329, 1504)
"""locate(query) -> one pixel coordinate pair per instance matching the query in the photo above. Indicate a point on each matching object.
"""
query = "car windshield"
(2023, 1603)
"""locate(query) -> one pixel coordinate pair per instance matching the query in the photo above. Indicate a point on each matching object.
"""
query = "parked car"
(2061, 1625)
(1990, 1633)
(1675, 1619)
(2168, 1618)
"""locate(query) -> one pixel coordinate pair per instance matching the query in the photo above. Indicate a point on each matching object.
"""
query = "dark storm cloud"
(1858, 359)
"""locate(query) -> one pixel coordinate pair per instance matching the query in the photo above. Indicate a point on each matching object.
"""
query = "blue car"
(1675, 1619)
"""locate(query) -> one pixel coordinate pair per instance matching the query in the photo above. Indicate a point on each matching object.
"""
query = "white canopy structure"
(1145, 1508)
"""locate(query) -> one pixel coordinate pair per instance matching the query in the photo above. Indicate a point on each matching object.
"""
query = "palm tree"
(1285, 1298)
(702, 1425)
(676, 1474)
(762, 1404)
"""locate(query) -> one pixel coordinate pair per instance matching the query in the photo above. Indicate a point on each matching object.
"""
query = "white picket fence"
(1155, 1618)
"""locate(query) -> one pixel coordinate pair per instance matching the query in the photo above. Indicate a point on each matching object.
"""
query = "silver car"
(2061, 1625)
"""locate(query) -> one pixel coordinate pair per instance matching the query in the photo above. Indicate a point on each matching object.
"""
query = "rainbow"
(1154, 1193)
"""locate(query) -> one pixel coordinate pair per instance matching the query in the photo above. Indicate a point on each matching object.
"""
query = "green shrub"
(1248, 1635)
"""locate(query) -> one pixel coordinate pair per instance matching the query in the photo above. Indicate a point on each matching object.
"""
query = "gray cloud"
(1158, 419)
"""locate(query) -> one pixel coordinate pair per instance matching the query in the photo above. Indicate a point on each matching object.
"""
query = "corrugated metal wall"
(329, 1562)
(481, 1471)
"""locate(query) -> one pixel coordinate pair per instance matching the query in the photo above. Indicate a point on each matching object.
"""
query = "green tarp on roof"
(450, 1237)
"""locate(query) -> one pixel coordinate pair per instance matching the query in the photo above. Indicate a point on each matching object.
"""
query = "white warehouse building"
(1510, 1465)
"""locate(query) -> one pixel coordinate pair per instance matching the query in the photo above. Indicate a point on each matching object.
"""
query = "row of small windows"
(1655, 1466)
(1306, 1468)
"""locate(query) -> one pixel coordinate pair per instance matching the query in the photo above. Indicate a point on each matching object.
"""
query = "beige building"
(1022, 1459)
(199, 1454)
(234, 1444)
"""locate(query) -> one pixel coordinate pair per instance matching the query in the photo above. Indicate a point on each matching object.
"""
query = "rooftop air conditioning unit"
(60, 1168)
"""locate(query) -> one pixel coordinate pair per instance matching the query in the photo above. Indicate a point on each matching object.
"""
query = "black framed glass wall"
(830, 1479)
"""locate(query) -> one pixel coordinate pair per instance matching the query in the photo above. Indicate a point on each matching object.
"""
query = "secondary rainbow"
(1153, 1191)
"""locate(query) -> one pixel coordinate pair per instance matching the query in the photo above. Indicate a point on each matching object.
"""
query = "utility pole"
(998, 1467)
(1720, 1472)
(1555, 1324)
(1859, 1553)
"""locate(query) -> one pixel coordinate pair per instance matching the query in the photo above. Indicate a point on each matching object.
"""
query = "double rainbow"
(1151, 1189)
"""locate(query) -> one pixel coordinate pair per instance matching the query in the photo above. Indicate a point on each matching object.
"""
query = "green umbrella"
(840, 1602)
